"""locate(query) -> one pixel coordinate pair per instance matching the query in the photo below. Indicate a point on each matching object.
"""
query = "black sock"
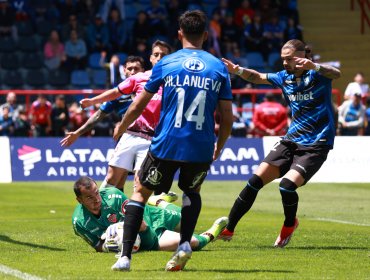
(133, 218)
(191, 206)
(290, 204)
(244, 201)
(290, 198)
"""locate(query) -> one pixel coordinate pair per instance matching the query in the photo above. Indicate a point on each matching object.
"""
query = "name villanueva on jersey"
(193, 81)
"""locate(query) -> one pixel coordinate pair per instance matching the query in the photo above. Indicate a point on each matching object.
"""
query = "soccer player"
(134, 144)
(132, 66)
(306, 87)
(194, 84)
(99, 212)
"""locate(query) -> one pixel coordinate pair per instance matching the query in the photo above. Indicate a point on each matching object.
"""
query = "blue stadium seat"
(25, 28)
(36, 78)
(28, 44)
(130, 11)
(7, 44)
(13, 79)
(32, 61)
(80, 79)
(94, 60)
(247, 114)
(273, 58)
(99, 78)
(255, 60)
(58, 79)
(10, 61)
(122, 56)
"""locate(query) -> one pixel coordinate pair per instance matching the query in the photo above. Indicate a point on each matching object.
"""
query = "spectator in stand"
(253, 33)
(223, 9)
(107, 8)
(59, 116)
(11, 103)
(70, 7)
(22, 126)
(174, 9)
(292, 31)
(23, 11)
(72, 24)
(273, 34)
(351, 119)
(270, 118)
(357, 86)
(239, 128)
(6, 122)
(115, 71)
(141, 30)
(214, 34)
(7, 21)
(230, 34)
(40, 117)
(157, 16)
(54, 55)
(76, 52)
(367, 116)
(97, 36)
(244, 14)
(117, 32)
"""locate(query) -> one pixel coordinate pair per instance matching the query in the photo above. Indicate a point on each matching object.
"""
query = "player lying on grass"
(99, 209)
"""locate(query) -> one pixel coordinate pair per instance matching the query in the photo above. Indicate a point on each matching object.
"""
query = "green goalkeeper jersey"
(91, 227)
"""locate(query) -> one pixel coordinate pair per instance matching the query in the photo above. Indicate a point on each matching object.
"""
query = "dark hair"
(299, 46)
(60, 97)
(85, 182)
(193, 24)
(133, 58)
(162, 44)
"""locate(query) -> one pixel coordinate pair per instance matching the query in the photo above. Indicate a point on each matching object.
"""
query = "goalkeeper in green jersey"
(99, 215)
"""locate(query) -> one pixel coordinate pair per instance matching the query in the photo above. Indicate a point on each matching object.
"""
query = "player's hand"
(216, 152)
(86, 102)
(304, 63)
(231, 67)
(117, 133)
(70, 138)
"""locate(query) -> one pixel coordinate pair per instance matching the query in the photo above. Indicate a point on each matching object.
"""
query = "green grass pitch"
(332, 241)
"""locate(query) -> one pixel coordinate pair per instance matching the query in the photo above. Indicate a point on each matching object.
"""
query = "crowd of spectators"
(70, 31)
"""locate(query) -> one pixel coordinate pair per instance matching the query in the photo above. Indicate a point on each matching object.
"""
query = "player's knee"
(255, 182)
(288, 192)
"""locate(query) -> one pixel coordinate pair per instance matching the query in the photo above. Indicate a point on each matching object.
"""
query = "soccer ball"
(136, 244)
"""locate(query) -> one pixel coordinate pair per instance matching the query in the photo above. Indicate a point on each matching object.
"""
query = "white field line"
(17, 273)
(340, 222)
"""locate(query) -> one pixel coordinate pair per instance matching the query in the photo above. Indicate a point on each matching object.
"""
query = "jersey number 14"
(198, 102)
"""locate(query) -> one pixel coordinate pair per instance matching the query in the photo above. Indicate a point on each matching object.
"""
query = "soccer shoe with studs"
(179, 258)
(122, 264)
(169, 197)
(285, 235)
(218, 226)
(226, 235)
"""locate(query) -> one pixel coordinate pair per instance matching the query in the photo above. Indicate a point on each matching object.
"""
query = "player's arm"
(108, 95)
(249, 75)
(226, 122)
(72, 136)
(327, 71)
(132, 113)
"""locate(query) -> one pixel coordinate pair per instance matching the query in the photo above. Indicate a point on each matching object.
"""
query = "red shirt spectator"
(40, 116)
(244, 14)
(270, 118)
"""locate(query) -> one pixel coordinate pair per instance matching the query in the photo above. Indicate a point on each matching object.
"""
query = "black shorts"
(157, 174)
(306, 160)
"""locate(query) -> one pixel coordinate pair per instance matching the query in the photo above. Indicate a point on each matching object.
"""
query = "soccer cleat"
(226, 235)
(169, 197)
(285, 235)
(179, 258)
(218, 226)
(122, 264)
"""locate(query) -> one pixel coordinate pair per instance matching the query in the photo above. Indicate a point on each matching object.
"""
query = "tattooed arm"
(327, 71)
(249, 75)
(72, 136)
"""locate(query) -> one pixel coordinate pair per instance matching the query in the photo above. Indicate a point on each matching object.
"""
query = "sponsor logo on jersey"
(29, 155)
(301, 96)
(194, 64)
(154, 176)
(124, 205)
(112, 218)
